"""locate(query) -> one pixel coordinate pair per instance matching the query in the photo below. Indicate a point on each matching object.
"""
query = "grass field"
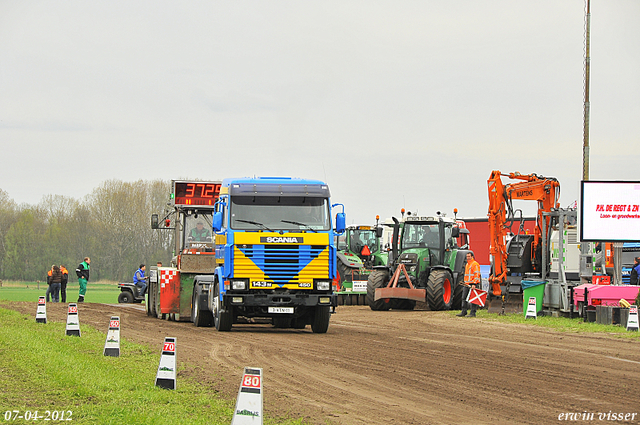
(99, 292)
(44, 370)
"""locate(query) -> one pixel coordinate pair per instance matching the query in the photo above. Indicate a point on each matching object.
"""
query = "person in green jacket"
(83, 276)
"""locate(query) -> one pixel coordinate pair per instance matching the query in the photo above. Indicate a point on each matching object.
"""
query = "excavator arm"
(544, 190)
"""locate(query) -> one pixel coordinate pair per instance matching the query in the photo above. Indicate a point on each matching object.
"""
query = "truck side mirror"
(154, 221)
(455, 232)
(341, 220)
(217, 221)
(379, 232)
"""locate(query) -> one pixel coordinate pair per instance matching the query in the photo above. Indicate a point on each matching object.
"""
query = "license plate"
(285, 310)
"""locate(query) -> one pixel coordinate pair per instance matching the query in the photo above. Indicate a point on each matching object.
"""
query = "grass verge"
(42, 369)
(563, 324)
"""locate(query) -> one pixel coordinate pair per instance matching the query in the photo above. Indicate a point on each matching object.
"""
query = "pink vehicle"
(604, 294)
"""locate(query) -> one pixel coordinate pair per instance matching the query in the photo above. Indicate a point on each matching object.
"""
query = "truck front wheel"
(321, 318)
(223, 320)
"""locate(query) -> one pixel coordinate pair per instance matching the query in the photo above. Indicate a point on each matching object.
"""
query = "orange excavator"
(521, 253)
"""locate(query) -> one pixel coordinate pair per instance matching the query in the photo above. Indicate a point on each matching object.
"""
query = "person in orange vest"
(471, 281)
(63, 284)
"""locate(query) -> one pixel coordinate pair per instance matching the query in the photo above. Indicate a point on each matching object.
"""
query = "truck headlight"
(324, 300)
(238, 285)
(236, 300)
(323, 285)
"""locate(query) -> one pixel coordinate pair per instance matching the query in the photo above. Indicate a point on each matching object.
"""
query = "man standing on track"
(83, 277)
(471, 281)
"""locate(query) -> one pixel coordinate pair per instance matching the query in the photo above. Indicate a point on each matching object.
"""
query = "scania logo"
(281, 239)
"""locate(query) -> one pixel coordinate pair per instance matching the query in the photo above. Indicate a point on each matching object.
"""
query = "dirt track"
(399, 367)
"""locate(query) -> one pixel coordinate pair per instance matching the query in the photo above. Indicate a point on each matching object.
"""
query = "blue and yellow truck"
(275, 258)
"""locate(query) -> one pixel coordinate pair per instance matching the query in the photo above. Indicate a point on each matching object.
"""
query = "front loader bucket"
(510, 303)
(401, 293)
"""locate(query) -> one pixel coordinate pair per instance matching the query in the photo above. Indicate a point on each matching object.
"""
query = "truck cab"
(275, 253)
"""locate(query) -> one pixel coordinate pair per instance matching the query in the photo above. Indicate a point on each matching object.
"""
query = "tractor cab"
(361, 241)
(427, 242)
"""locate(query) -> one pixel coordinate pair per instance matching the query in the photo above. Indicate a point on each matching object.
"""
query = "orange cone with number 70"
(249, 403)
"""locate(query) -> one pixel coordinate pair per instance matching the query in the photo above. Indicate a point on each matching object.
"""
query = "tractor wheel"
(403, 304)
(222, 320)
(125, 297)
(199, 317)
(343, 273)
(321, 318)
(377, 279)
(457, 293)
(440, 290)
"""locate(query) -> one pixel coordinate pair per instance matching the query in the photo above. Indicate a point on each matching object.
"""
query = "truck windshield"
(291, 213)
(420, 236)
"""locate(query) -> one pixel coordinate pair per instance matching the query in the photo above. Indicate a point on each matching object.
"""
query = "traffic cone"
(166, 376)
(632, 322)
(73, 324)
(41, 313)
(249, 402)
(112, 344)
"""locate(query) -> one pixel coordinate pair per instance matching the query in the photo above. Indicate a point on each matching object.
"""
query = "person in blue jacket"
(635, 272)
(139, 279)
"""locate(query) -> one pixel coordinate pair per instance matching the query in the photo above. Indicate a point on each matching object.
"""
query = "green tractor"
(359, 251)
(426, 265)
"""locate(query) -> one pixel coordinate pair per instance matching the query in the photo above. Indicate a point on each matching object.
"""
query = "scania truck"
(275, 258)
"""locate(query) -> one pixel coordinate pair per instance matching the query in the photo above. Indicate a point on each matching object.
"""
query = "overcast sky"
(394, 104)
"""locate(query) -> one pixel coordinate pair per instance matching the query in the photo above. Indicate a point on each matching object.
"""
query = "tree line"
(111, 225)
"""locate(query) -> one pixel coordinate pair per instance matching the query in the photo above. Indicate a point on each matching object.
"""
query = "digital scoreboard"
(194, 193)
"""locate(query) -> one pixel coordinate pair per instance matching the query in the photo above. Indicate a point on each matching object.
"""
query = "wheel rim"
(446, 296)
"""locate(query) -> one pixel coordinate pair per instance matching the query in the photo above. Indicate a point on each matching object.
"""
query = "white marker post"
(73, 325)
(532, 309)
(632, 323)
(166, 376)
(41, 313)
(112, 344)
(249, 403)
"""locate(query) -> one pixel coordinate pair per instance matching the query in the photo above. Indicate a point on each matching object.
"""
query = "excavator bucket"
(509, 303)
